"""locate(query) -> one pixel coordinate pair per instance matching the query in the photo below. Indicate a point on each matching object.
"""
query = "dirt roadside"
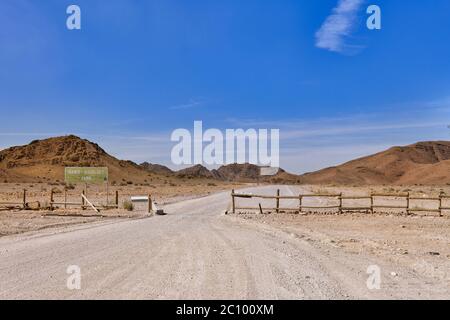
(410, 244)
(198, 252)
(20, 221)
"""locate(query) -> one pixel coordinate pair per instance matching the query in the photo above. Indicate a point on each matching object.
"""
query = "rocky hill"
(156, 168)
(419, 163)
(44, 160)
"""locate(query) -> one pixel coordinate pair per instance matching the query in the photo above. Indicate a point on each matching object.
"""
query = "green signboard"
(86, 175)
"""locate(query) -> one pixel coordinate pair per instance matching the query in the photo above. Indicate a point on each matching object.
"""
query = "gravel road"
(194, 252)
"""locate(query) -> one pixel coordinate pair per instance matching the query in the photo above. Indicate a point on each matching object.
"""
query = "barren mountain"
(247, 172)
(198, 171)
(235, 172)
(232, 172)
(239, 172)
(44, 160)
(419, 163)
(156, 168)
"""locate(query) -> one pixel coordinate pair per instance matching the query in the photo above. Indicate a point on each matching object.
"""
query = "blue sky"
(137, 70)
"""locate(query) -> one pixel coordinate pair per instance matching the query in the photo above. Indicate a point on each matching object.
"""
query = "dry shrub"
(128, 205)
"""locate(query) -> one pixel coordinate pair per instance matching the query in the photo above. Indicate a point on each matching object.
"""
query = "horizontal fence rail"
(84, 202)
(59, 200)
(19, 204)
(340, 198)
(51, 204)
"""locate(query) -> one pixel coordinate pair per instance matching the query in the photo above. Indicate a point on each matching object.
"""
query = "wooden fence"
(340, 199)
(18, 204)
(84, 202)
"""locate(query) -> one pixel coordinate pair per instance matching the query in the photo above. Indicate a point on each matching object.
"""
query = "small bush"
(56, 190)
(128, 205)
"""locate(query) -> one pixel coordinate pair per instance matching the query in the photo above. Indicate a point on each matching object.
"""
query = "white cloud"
(338, 26)
(306, 144)
(191, 104)
(315, 143)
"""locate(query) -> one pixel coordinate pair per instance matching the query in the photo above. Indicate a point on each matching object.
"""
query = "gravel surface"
(197, 252)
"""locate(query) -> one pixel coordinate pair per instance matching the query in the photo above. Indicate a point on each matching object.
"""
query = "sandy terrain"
(18, 221)
(161, 192)
(405, 244)
(198, 252)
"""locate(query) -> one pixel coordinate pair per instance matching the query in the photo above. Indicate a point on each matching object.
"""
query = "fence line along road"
(340, 198)
(84, 203)
(52, 203)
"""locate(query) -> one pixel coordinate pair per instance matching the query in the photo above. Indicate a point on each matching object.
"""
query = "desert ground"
(19, 221)
(197, 251)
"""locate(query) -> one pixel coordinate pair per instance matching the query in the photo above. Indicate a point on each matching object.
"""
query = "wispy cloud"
(306, 144)
(315, 143)
(440, 104)
(338, 26)
(191, 104)
(150, 137)
(355, 125)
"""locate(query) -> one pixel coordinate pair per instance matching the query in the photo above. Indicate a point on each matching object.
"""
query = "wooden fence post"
(440, 203)
(107, 194)
(24, 200)
(150, 204)
(51, 200)
(340, 203)
(407, 203)
(371, 203)
(233, 205)
(65, 198)
(260, 209)
(83, 193)
(117, 199)
(300, 202)
(278, 201)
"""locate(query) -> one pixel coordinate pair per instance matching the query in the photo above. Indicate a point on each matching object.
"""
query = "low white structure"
(151, 207)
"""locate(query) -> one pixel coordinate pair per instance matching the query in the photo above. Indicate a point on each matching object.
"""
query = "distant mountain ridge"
(44, 160)
(156, 168)
(420, 163)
